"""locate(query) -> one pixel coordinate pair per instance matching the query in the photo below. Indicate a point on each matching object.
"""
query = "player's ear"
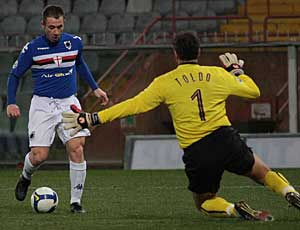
(43, 24)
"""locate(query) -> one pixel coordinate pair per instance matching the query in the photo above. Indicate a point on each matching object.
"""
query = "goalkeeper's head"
(186, 46)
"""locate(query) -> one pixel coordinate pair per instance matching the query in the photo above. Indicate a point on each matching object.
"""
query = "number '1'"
(197, 94)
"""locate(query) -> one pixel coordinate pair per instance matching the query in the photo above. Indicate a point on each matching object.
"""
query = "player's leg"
(214, 206)
(204, 167)
(262, 174)
(75, 149)
(32, 162)
(77, 172)
(41, 130)
(238, 158)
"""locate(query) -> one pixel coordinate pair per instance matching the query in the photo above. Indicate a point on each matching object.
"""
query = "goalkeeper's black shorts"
(206, 159)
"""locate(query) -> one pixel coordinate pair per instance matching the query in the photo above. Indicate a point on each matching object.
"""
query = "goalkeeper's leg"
(211, 205)
(274, 181)
(219, 207)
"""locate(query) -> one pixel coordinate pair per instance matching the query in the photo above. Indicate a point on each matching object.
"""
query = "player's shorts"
(206, 159)
(45, 120)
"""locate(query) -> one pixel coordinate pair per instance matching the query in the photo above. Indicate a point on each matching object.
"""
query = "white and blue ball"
(44, 200)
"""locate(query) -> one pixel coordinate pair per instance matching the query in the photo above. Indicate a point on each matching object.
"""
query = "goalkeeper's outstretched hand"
(232, 64)
(79, 120)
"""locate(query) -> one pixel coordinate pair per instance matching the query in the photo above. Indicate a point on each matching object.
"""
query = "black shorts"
(206, 159)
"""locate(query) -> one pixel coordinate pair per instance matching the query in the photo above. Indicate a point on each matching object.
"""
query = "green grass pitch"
(119, 199)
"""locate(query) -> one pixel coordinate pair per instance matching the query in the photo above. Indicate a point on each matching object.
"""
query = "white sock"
(77, 178)
(28, 168)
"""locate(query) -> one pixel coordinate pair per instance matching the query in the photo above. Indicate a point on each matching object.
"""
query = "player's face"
(53, 28)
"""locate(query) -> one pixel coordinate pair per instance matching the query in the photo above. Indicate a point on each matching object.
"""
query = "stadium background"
(128, 43)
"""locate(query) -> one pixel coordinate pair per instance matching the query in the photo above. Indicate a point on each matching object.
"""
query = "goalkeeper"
(195, 96)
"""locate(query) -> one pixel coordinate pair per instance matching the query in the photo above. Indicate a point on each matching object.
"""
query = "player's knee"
(38, 156)
(76, 153)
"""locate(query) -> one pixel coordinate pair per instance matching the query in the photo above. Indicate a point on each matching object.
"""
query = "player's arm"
(238, 83)
(145, 101)
(21, 65)
(87, 76)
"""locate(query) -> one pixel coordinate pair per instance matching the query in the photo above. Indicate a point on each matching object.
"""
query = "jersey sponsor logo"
(58, 74)
(43, 48)
(68, 44)
(47, 75)
(64, 74)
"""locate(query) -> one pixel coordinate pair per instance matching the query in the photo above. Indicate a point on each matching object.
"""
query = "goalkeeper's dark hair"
(186, 46)
(53, 11)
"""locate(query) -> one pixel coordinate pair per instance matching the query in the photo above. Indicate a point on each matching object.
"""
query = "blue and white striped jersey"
(53, 67)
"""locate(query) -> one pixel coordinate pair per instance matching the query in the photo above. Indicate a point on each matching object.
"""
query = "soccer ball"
(44, 200)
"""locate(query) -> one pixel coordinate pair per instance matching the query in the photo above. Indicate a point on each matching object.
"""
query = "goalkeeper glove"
(232, 64)
(79, 120)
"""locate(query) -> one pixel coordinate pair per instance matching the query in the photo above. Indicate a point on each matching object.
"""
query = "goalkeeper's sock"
(77, 178)
(218, 207)
(278, 183)
(28, 168)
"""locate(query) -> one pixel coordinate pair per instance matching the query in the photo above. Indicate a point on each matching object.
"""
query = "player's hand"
(79, 120)
(102, 95)
(13, 111)
(232, 64)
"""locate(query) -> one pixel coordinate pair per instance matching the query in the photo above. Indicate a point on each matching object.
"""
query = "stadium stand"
(222, 6)
(139, 6)
(121, 23)
(145, 19)
(105, 39)
(182, 25)
(8, 7)
(13, 25)
(204, 25)
(84, 7)
(279, 29)
(89, 26)
(109, 8)
(192, 7)
(65, 4)
(163, 7)
(34, 25)
(30, 8)
(72, 24)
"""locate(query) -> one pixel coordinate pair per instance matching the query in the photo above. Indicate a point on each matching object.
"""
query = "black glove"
(79, 120)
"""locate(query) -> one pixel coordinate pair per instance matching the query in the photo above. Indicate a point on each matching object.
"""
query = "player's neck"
(193, 61)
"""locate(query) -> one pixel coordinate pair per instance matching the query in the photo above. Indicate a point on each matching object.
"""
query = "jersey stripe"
(53, 55)
(54, 65)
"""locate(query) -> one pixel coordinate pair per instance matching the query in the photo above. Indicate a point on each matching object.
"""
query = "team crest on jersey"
(68, 44)
(57, 60)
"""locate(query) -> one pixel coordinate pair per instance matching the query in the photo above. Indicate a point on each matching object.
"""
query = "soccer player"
(54, 59)
(195, 96)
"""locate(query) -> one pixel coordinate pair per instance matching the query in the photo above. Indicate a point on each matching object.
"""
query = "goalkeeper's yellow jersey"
(195, 96)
